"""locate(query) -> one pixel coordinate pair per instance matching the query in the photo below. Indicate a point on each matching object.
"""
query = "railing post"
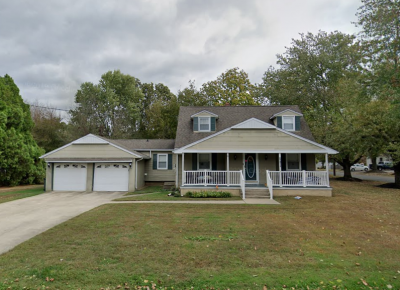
(304, 178)
(205, 179)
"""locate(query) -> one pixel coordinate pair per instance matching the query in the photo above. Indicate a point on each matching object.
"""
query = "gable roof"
(284, 111)
(204, 112)
(230, 116)
(94, 139)
(146, 144)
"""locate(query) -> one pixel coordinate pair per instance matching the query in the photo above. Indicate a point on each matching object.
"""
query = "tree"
(159, 117)
(232, 87)
(321, 74)
(191, 96)
(19, 154)
(49, 131)
(380, 35)
(110, 109)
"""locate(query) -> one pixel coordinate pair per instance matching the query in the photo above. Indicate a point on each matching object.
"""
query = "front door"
(250, 166)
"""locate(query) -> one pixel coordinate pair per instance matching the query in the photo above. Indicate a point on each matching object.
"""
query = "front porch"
(239, 172)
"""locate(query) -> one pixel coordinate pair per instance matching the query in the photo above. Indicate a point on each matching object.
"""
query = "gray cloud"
(51, 47)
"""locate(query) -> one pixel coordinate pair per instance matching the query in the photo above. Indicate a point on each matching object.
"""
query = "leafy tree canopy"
(19, 154)
(321, 74)
(232, 87)
(110, 108)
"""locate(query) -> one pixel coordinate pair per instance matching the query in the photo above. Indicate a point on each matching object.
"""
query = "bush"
(208, 194)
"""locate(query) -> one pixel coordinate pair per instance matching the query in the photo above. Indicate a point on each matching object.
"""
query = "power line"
(49, 108)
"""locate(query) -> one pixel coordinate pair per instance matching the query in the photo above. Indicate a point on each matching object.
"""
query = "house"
(239, 149)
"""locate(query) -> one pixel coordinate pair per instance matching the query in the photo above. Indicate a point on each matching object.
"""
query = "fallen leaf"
(364, 282)
(357, 264)
(265, 287)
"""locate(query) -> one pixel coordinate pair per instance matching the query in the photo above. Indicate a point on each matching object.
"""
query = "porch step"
(259, 192)
(168, 185)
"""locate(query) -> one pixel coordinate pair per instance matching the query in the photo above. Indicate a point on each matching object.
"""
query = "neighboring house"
(380, 158)
(239, 149)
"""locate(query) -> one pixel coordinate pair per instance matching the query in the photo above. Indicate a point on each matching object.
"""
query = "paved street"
(368, 176)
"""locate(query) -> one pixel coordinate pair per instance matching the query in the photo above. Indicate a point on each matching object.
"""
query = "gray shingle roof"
(228, 117)
(145, 144)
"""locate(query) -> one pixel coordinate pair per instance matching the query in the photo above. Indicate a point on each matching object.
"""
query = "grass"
(157, 193)
(18, 194)
(344, 242)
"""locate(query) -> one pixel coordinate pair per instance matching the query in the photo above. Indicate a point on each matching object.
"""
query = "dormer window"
(288, 123)
(204, 124)
(204, 121)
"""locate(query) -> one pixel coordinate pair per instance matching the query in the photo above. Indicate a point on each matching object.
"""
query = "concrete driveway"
(25, 218)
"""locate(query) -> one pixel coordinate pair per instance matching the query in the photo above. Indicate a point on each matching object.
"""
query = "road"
(368, 176)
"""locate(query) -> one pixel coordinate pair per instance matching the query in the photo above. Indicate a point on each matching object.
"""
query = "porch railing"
(207, 177)
(270, 185)
(299, 178)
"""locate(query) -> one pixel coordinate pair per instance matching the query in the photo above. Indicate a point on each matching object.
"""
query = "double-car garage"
(110, 176)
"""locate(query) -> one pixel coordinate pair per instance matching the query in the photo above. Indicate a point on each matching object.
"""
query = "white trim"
(202, 112)
(209, 124)
(198, 161)
(284, 111)
(90, 135)
(287, 164)
(154, 150)
(254, 151)
(293, 123)
(166, 162)
(90, 161)
(326, 149)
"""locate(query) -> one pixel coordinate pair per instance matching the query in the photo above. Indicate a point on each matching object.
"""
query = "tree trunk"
(373, 167)
(396, 168)
(346, 170)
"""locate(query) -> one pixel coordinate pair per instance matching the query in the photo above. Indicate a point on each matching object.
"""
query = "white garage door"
(111, 177)
(69, 177)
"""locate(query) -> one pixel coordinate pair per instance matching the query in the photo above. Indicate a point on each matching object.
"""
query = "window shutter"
(297, 123)
(154, 161)
(214, 160)
(196, 124)
(279, 121)
(283, 160)
(194, 161)
(212, 123)
(303, 161)
(169, 161)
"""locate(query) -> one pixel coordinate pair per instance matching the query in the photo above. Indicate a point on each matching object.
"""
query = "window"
(162, 161)
(288, 123)
(204, 161)
(293, 161)
(204, 123)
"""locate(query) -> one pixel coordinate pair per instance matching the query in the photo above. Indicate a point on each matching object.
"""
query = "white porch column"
(280, 169)
(177, 171)
(327, 169)
(183, 169)
(228, 178)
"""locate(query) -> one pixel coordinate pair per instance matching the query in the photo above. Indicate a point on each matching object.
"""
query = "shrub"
(208, 194)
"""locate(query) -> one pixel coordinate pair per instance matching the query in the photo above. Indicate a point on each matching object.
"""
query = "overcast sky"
(50, 47)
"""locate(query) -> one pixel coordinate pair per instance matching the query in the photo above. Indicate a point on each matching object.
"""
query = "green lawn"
(157, 193)
(344, 242)
(18, 194)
